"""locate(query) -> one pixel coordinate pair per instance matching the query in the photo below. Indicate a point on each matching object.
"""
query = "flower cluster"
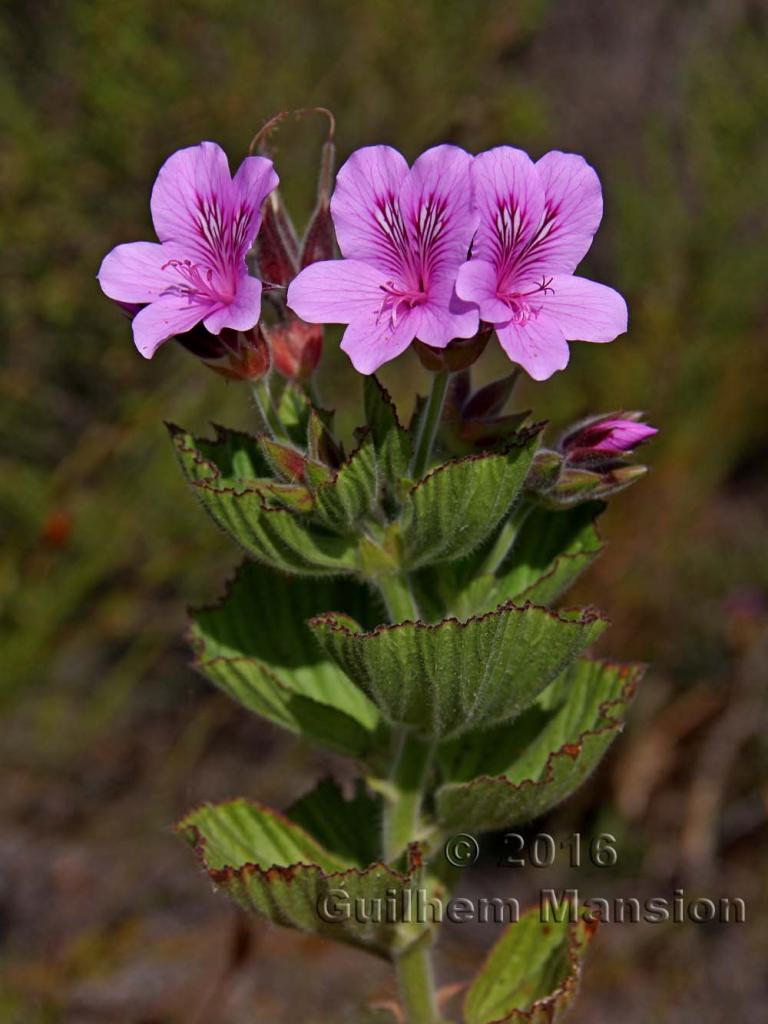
(444, 250)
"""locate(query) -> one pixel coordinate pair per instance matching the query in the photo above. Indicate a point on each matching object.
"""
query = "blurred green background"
(107, 735)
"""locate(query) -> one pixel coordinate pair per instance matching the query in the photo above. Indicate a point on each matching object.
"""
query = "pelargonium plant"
(395, 602)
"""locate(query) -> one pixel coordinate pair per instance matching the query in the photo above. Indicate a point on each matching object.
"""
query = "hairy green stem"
(402, 825)
(399, 599)
(412, 762)
(416, 984)
(429, 422)
(506, 538)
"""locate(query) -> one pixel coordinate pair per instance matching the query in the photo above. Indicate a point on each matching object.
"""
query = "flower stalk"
(430, 420)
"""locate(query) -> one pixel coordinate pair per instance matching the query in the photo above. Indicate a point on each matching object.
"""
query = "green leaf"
(256, 647)
(393, 443)
(245, 508)
(455, 507)
(351, 494)
(532, 973)
(350, 828)
(501, 777)
(231, 459)
(455, 676)
(548, 554)
(270, 865)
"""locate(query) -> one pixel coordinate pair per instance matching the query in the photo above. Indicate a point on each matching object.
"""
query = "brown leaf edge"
(334, 620)
(520, 440)
(263, 483)
(580, 934)
(287, 872)
(633, 672)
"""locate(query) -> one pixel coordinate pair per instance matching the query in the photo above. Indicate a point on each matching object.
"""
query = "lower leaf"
(270, 865)
(532, 973)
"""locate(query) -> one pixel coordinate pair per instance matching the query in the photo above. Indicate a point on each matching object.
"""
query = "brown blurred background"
(107, 735)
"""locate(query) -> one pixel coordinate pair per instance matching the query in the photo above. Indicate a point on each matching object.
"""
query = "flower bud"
(297, 348)
(319, 238)
(600, 440)
(544, 471)
(276, 246)
(246, 353)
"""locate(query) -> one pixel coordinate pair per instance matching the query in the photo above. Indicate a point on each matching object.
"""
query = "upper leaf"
(506, 776)
(393, 443)
(244, 506)
(455, 676)
(532, 973)
(256, 647)
(457, 505)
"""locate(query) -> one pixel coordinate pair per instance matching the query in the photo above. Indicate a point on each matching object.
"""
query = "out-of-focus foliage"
(103, 546)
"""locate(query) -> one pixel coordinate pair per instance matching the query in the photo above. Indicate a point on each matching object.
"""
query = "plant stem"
(262, 396)
(416, 984)
(402, 824)
(396, 590)
(402, 821)
(429, 422)
(507, 535)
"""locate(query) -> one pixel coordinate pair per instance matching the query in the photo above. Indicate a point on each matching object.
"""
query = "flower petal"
(134, 272)
(374, 340)
(364, 207)
(435, 201)
(337, 292)
(585, 310)
(168, 316)
(510, 200)
(478, 282)
(243, 312)
(573, 201)
(444, 316)
(539, 346)
(192, 199)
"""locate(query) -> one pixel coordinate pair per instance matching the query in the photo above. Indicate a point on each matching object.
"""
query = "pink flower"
(206, 221)
(614, 434)
(537, 221)
(403, 233)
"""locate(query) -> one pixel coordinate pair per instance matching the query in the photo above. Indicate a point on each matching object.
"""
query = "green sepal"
(497, 778)
(393, 443)
(446, 679)
(270, 865)
(292, 465)
(256, 647)
(457, 505)
(532, 974)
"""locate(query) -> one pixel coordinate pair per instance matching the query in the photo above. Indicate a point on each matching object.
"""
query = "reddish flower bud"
(601, 439)
(319, 239)
(297, 348)
(246, 352)
(277, 249)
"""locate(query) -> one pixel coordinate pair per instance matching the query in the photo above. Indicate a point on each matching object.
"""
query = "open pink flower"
(404, 234)
(537, 221)
(206, 221)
